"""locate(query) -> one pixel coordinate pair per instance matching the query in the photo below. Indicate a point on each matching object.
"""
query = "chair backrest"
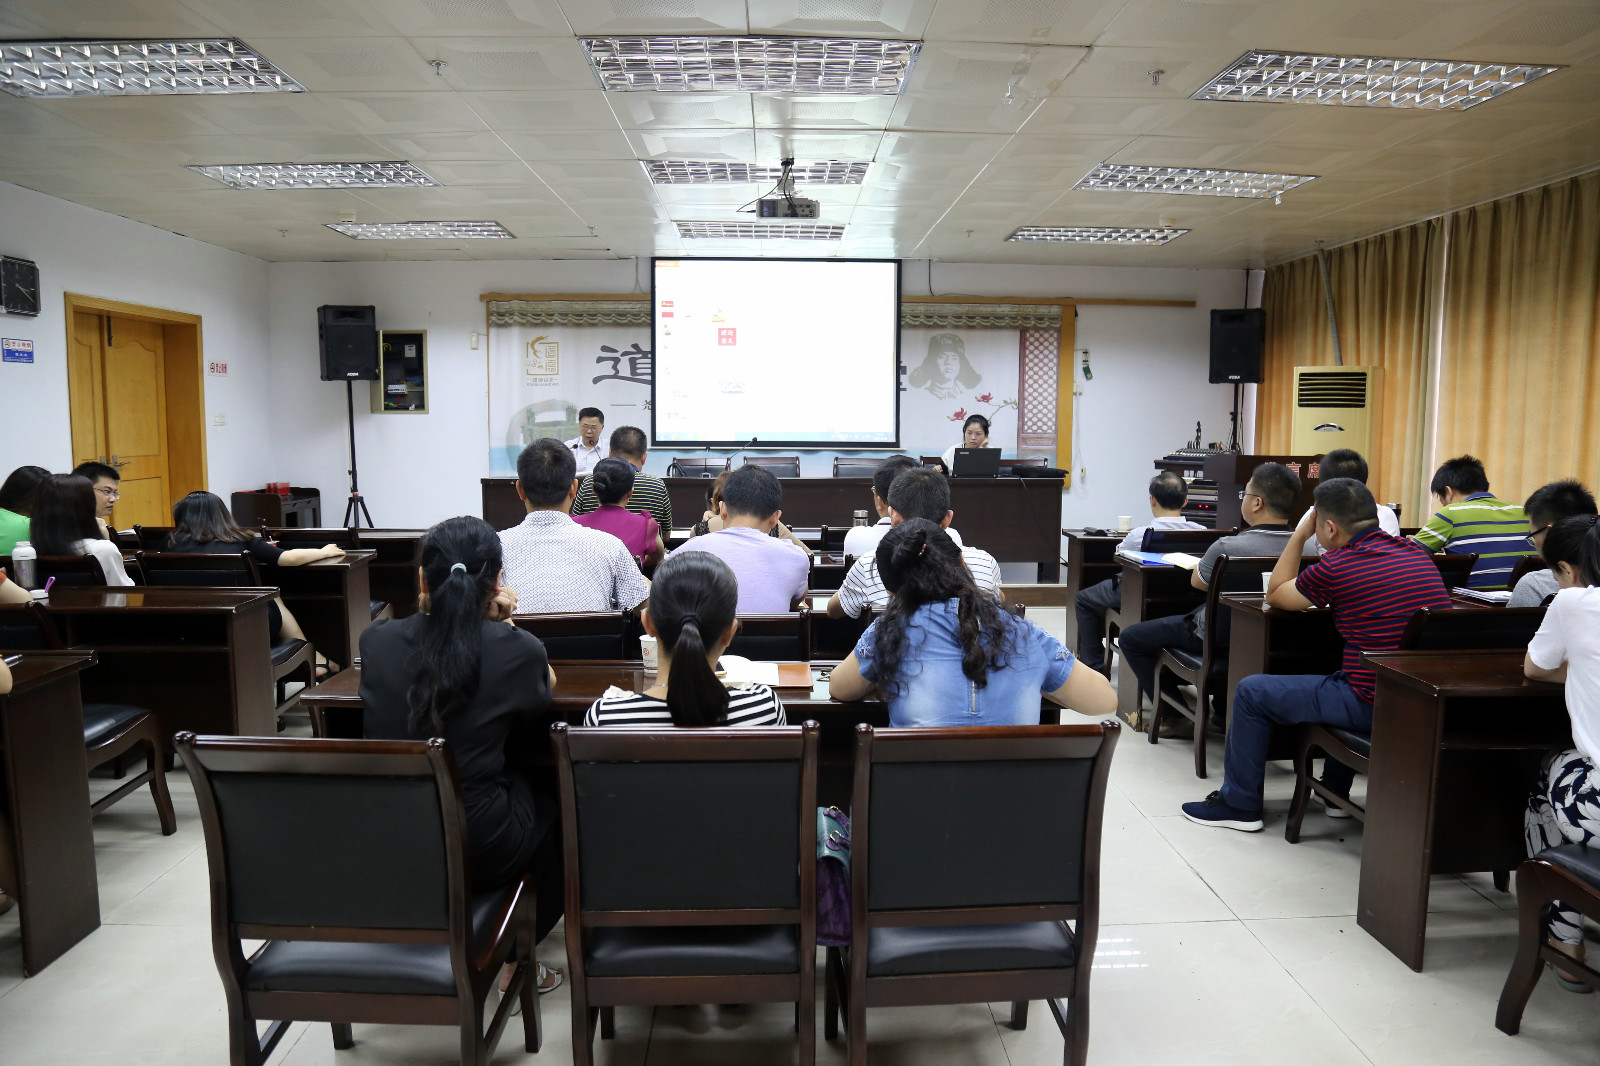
(68, 570)
(151, 538)
(27, 627)
(1448, 629)
(774, 636)
(1193, 541)
(854, 467)
(1000, 823)
(344, 840)
(677, 821)
(200, 569)
(581, 634)
(312, 537)
(1234, 574)
(1525, 566)
(1455, 569)
(702, 467)
(780, 465)
(830, 539)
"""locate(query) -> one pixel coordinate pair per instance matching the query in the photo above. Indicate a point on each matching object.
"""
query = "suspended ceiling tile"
(570, 145)
(133, 116)
(1031, 21)
(381, 113)
(345, 64)
(568, 109)
(1166, 73)
(896, 19)
(909, 149)
(787, 111)
(626, 176)
(1058, 117)
(273, 114)
(1028, 151)
(1234, 121)
(737, 146)
(912, 113)
(630, 17)
(1239, 24)
(422, 148)
(459, 201)
(815, 146)
(682, 111)
(294, 18)
(522, 63)
(990, 73)
(482, 172)
(476, 18)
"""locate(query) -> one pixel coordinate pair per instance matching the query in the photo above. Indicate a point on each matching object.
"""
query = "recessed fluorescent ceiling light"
(1098, 234)
(1197, 181)
(315, 175)
(137, 68)
(400, 231)
(761, 231)
(1367, 81)
(751, 64)
(683, 172)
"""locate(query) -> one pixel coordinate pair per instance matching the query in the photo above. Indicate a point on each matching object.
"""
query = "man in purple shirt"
(772, 573)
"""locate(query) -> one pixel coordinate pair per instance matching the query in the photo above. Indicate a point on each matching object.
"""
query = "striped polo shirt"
(1374, 584)
(649, 497)
(1496, 531)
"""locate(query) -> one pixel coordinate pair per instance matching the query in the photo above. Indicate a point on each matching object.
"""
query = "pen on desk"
(50, 581)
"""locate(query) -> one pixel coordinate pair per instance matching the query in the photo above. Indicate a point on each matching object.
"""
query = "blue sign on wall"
(13, 350)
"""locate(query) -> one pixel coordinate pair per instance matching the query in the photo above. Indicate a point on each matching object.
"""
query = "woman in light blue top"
(947, 653)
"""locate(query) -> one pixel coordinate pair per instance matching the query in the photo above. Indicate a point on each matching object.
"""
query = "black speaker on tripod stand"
(1237, 337)
(347, 343)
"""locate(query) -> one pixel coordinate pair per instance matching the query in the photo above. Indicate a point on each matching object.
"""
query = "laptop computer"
(976, 462)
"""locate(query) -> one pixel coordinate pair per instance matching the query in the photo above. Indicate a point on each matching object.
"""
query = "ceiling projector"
(787, 207)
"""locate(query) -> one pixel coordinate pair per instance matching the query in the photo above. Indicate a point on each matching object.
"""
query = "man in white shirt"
(554, 564)
(1168, 494)
(1548, 505)
(1347, 462)
(920, 492)
(586, 445)
(863, 540)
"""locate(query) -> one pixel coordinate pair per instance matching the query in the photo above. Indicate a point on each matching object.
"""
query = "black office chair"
(699, 468)
(1525, 566)
(1456, 570)
(68, 570)
(584, 634)
(766, 637)
(349, 858)
(855, 467)
(780, 465)
(727, 913)
(1569, 873)
(971, 850)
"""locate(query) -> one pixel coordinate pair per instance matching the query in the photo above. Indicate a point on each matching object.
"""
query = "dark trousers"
(1142, 642)
(1264, 700)
(1091, 606)
(550, 897)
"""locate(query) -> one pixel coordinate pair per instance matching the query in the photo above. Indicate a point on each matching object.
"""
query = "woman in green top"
(16, 503)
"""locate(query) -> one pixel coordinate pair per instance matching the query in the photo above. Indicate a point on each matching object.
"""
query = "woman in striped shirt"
(691, 613)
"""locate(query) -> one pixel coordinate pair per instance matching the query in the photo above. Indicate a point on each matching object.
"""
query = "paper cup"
(1266, 582)
(647, 645)
(1124, 523)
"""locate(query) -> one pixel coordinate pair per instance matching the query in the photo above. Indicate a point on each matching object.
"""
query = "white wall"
(1148, 390)
(91, 253)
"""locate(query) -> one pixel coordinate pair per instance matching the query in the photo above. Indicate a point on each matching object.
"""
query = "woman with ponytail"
(947, 653)
(456, 669)
(691, 613)
(1565, 805)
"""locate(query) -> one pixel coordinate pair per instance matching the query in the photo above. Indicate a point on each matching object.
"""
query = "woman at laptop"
(974, 434)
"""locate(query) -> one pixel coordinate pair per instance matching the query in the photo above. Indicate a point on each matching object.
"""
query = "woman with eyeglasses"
(64, 523)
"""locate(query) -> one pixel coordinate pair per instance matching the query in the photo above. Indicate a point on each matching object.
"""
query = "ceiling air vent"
(1331, 390)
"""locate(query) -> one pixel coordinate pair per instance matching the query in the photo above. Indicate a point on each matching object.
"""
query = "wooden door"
(119, 411)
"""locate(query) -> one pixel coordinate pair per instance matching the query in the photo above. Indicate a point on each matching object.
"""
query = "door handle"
(118, 466)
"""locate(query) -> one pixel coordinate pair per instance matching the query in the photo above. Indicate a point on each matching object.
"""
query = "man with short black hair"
(1548, 505)
(105, 480)
(863, 540)
(586, 445)
(1268, 501)
(1472, 520)
(628, 443)
(553, 563)
(1168, 493)
(1374, 582)
(772, 572)
(1347, 462)
(920, 492)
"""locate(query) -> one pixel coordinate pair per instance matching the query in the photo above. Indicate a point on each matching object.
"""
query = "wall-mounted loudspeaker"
(1236, 340)
(348, 341)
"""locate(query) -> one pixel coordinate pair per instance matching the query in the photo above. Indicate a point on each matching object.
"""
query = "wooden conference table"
(1148, 591)
(1014, 519)
(48, 861)
(1090, 560)
(331, 599)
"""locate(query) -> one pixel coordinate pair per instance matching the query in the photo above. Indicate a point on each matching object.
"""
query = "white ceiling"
(1009, 104)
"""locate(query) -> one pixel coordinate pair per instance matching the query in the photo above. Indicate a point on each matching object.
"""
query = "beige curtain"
(1520, 385)
(1383, 290)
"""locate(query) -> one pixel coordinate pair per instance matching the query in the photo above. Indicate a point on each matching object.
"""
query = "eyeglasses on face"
(1243, 494)
(1541, 530)
(109, 493)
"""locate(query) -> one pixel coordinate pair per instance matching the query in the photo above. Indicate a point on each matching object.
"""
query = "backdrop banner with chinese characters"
(549, 358)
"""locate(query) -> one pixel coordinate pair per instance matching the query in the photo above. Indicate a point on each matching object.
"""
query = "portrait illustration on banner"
(945, 371)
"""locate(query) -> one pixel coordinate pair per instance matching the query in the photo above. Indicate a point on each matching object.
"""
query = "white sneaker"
(1337, 813)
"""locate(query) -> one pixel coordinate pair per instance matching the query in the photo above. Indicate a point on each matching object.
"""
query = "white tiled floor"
(1216, 947)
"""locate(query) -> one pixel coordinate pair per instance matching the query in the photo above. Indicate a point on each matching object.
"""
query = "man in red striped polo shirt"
(1374, 582)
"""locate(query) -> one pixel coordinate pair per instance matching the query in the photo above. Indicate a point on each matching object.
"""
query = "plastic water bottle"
(25, 560)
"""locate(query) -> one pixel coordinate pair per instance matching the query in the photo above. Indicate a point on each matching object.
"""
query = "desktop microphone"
(742, 447)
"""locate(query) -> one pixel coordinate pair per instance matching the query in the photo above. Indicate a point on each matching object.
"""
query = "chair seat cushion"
(285, 650)
(377, 606)
(1182, 658)
(895, 950)
(102, 721)
(383, 969)
(692, 951)
(1579, 861)
(1360, 743)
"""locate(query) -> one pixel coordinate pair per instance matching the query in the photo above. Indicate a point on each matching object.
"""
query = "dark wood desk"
(49, 867)
(1090, 560)
(1149, 591)
(1014, 519)
(198, 657)
(393, 571)
(1266, 640)
(331, 599)
(1457, 739)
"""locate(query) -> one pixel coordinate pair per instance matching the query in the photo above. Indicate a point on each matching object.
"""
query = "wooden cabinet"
(402, 385)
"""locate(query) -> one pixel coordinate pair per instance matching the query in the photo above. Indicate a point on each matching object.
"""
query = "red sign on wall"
(727, 335)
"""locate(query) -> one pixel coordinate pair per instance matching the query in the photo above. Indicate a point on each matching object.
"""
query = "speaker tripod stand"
(356, 505)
